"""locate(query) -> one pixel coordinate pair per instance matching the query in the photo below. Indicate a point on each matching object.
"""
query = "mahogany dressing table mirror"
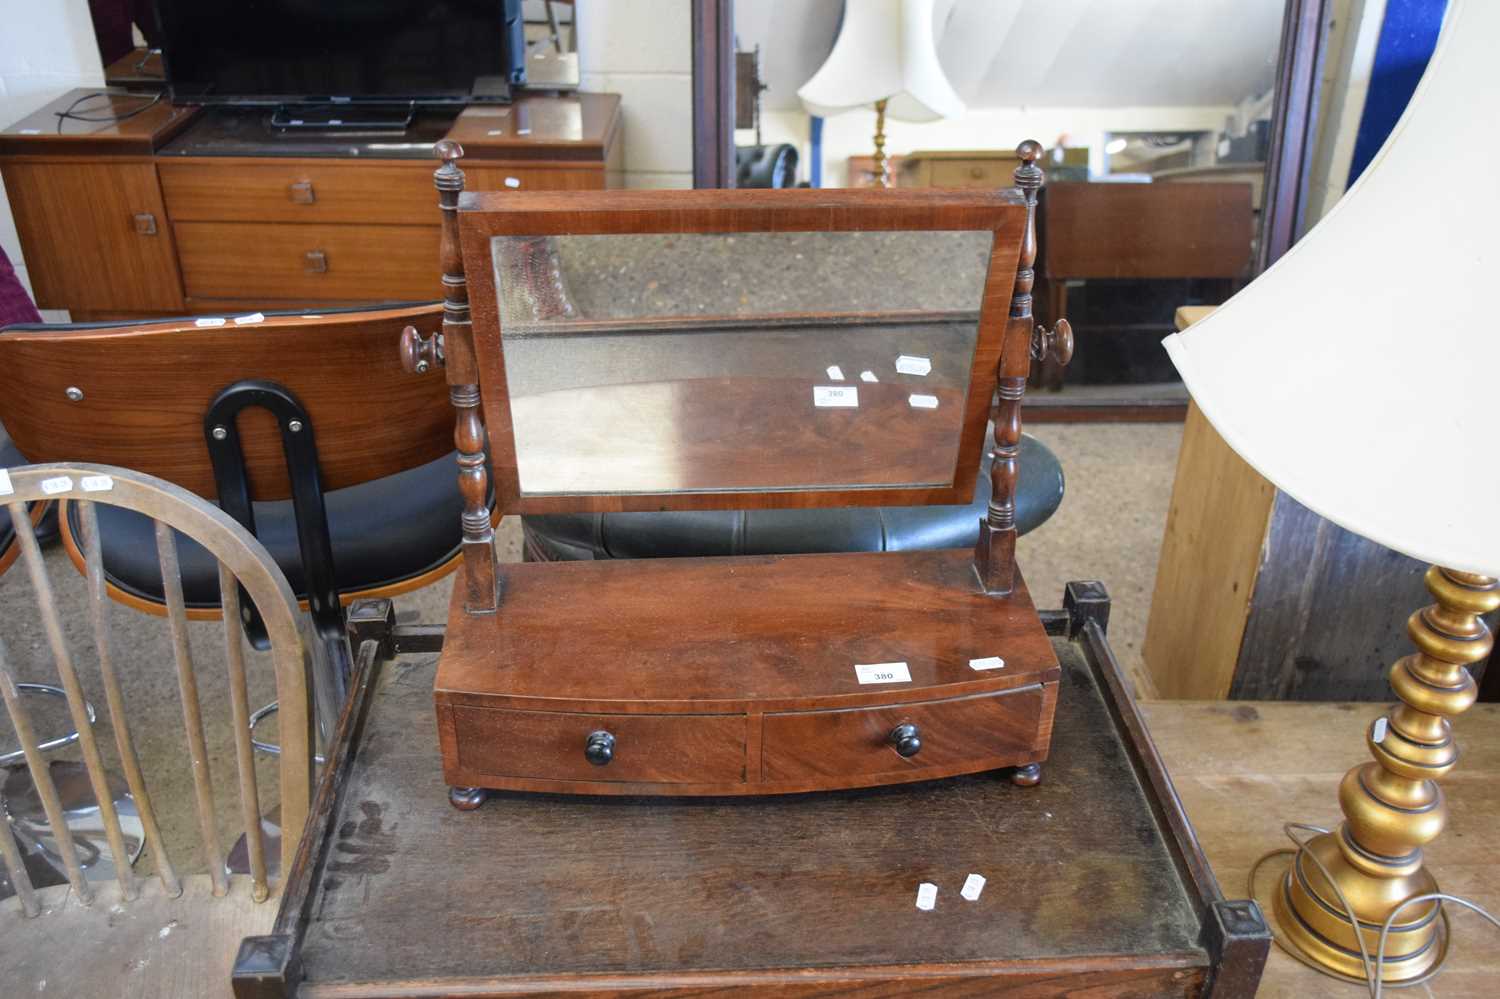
(706, 350)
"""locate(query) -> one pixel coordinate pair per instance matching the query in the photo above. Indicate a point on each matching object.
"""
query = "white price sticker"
(868, 376)
(926, 896)
(495, 131)
(31, 131)
(215, 321)
(5, 487)
(883, 673)
(512, 182)
(254, 317)
(96, 483)
(988, 662)
(1381, 724)
(923, 401)
(906, 364)
(973, 885)
(835, 397)
(60, 484)
(835, 373)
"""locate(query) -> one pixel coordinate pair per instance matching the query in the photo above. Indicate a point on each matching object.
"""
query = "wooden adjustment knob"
(907, 740)
(1056, 343)
(600, 748)
(418, 355)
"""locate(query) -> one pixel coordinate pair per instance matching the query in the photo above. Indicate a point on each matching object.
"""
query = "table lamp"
(885, 55)
(1340, 376)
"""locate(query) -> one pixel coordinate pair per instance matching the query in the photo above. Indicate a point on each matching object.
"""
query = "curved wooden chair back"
(241, 559)
(135, 395)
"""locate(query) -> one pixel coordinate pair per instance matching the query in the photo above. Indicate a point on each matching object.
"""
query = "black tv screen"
(283, 51)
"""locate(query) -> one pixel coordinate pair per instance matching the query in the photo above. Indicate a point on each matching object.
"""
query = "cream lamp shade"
(885, 50)
(1360, 372)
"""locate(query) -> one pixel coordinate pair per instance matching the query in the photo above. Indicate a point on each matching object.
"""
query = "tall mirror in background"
(1160, 122)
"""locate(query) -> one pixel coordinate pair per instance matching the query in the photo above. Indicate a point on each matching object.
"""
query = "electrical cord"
(70, 113)
(1372, 979)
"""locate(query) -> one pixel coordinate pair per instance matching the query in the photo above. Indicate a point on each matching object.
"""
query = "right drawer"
(310, 263)
(1000, 729)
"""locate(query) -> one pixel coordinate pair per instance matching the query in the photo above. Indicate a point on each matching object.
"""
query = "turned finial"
(448, 176)
(1028, 175)
(448, 150)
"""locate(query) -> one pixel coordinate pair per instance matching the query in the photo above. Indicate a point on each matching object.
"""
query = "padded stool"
(678, 533)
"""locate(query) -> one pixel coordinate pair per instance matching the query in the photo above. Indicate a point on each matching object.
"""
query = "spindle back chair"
(242, 560)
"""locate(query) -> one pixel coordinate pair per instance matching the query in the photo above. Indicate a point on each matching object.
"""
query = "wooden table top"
(1244, 768)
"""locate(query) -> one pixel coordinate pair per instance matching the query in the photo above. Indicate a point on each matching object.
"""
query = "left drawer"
(322, 263)
(547, 745)
(395, 193)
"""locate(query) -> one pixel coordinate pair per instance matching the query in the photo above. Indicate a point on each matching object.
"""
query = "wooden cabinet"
(116, 222)
(95, 235)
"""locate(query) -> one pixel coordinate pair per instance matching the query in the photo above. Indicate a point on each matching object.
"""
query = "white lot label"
(1379, 734)
(836, 396)
(909, 365)
(835, 373)
(926, 896)
(96, 483)
(988, 662)
(5, 487)
(61, 484)
(254, 317)
(868, 376)
(923, 401)
(973, 885)
(883, 673)
(216, 321)
(513, 181)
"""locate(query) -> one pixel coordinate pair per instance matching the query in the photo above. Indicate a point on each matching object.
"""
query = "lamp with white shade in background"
(1340, 379)
(885, 56)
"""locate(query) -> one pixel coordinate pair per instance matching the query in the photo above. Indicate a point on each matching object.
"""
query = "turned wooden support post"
(480, 579)
(1394, 806)
(882, 166)
(995, 554)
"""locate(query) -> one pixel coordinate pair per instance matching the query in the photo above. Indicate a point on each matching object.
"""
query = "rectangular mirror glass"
(738, 362)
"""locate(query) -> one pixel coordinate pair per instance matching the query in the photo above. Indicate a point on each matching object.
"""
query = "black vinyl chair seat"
(384, 532)
(580, 536)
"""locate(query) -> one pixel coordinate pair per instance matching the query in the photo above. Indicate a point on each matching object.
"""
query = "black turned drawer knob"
(906, 739)
(600, 748)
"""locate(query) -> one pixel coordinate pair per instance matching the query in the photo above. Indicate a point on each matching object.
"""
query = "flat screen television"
(275, 52)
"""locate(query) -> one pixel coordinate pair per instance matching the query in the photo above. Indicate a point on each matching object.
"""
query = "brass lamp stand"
(1393, 806)
(882, 169)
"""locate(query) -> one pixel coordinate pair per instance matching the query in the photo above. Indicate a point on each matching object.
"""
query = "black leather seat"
(385, 532)
(570, 537)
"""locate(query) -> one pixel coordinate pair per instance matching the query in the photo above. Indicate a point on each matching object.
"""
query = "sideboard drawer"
(317, 263)
(393, 193)
(300, 192)
(1004, 728)
(663, 749)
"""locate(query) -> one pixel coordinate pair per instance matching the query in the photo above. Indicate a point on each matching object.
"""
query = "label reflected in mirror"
(703, 362)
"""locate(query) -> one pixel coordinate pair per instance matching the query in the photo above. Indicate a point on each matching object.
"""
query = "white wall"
(1352, 39)
(46, 48)
(643, 51)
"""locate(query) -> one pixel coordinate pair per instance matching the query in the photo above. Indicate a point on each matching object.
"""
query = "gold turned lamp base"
(1394, 806)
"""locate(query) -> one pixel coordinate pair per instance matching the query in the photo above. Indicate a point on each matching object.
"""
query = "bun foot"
(466, 799)
(1028, 776)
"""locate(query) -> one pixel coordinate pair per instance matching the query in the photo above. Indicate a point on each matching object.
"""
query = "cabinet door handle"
(145, 224)
(316, 261)
(302, 192)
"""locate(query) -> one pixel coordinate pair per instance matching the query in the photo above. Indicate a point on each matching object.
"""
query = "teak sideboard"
(177, 210)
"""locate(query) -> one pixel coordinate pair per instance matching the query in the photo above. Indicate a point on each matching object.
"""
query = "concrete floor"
(1108, 528)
